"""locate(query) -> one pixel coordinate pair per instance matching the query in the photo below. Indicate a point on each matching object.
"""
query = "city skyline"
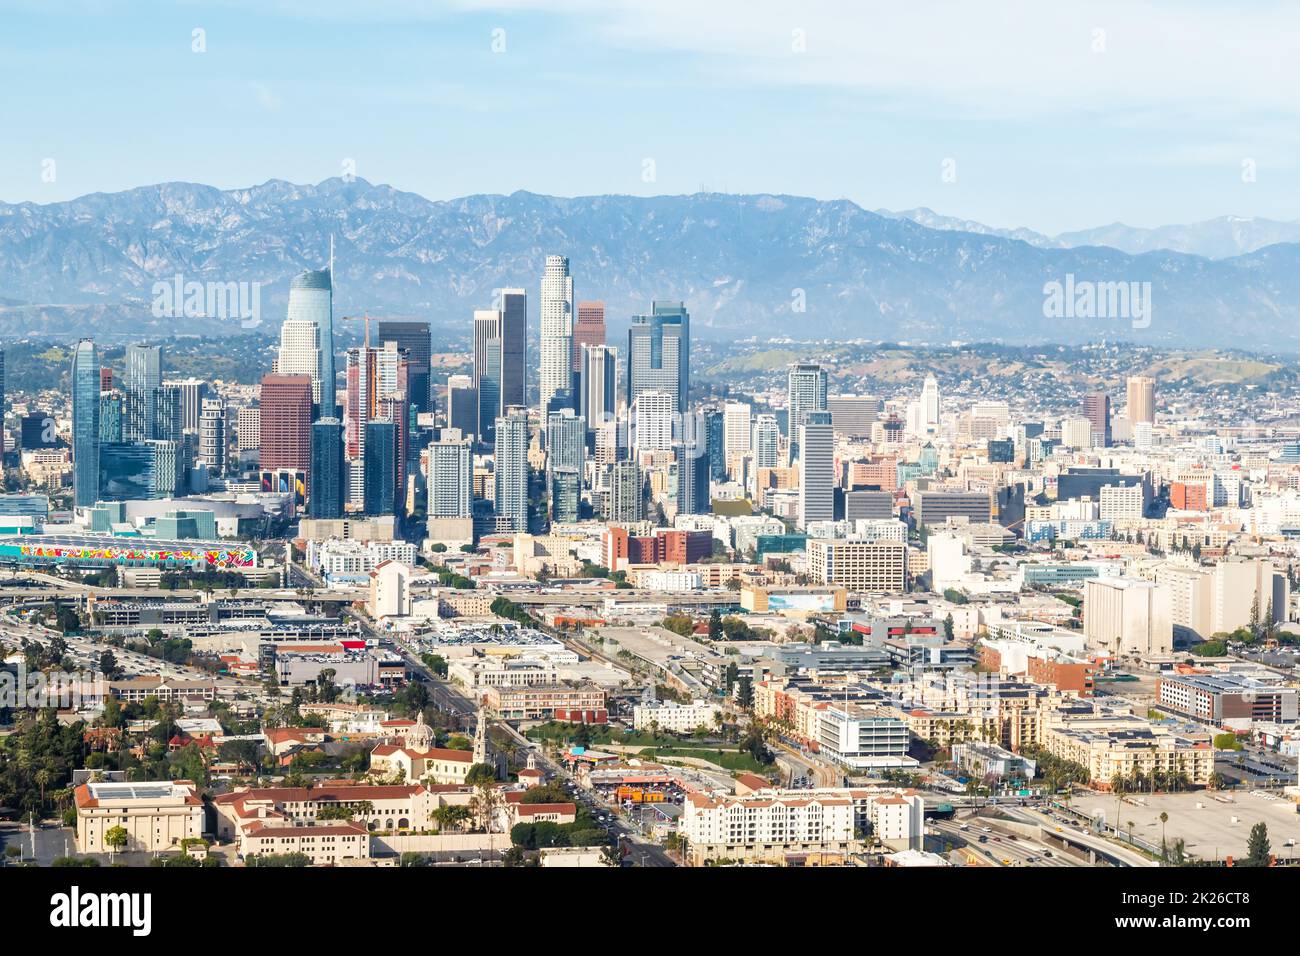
(372, 521)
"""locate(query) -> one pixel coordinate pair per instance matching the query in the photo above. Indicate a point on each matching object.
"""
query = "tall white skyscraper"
(736, 427)
(557, 329)
(652, 418)
(766, 442)
(930, 402)
(300, 352)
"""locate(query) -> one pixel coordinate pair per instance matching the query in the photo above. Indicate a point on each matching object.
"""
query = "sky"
(1048, 114)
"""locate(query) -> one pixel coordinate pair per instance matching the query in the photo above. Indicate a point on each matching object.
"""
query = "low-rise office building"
(156, 815)
(1227, 700)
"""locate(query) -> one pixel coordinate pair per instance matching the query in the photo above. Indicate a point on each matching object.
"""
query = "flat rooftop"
(1210, 828)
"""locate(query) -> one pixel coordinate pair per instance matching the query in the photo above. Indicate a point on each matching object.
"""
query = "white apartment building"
(336, 556)
(949, 562)
(675, 718)
(863, 738)
(766, 825)
(653, 415)
(736, 430)
(899, 821)
(1076, 433)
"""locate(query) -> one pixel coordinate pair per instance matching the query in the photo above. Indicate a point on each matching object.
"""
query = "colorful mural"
(217, 559)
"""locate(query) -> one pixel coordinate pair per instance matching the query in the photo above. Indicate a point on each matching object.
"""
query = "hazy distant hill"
(1219, 238)
(740, 262)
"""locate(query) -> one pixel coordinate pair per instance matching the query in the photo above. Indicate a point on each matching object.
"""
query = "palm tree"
(1164, 818)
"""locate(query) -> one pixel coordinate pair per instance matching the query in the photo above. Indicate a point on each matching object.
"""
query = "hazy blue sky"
(1058, 114)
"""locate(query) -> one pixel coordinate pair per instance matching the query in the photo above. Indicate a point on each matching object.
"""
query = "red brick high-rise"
(285, 438)
(589, 329)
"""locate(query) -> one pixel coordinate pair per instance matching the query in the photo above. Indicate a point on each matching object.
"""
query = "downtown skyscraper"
(85, 424)
(487, 372)
(597, 378)
(806, 391)
(326, 478)
(512, 330)
(142, 382)
(588, 330)
(511, 471)
(816, 468)
(658, 353)
(285, 423)
(557, 330)
(1096, 408)
(1141, 391)
(311, 300)
(413, 337)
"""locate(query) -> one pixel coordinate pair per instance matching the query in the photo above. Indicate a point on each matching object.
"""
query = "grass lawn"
(560, 732)
(735, 760)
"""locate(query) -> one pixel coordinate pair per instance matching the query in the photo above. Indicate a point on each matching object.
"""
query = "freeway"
(1001, 847)
(1062, 830)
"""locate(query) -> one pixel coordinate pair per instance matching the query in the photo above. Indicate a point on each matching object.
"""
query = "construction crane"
(360, 318)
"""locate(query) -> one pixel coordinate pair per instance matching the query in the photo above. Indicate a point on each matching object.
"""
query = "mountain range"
(746, 265)
(1219, 238)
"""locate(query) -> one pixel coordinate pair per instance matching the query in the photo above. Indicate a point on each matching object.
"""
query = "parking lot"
(1211, 828)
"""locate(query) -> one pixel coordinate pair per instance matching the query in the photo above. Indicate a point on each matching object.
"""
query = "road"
(1002, 848)
(448, 698)
(1121, 854)
(816, 771)
(637, 850)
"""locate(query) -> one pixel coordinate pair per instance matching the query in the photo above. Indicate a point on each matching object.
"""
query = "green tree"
(1258, 849)
(115, 839)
